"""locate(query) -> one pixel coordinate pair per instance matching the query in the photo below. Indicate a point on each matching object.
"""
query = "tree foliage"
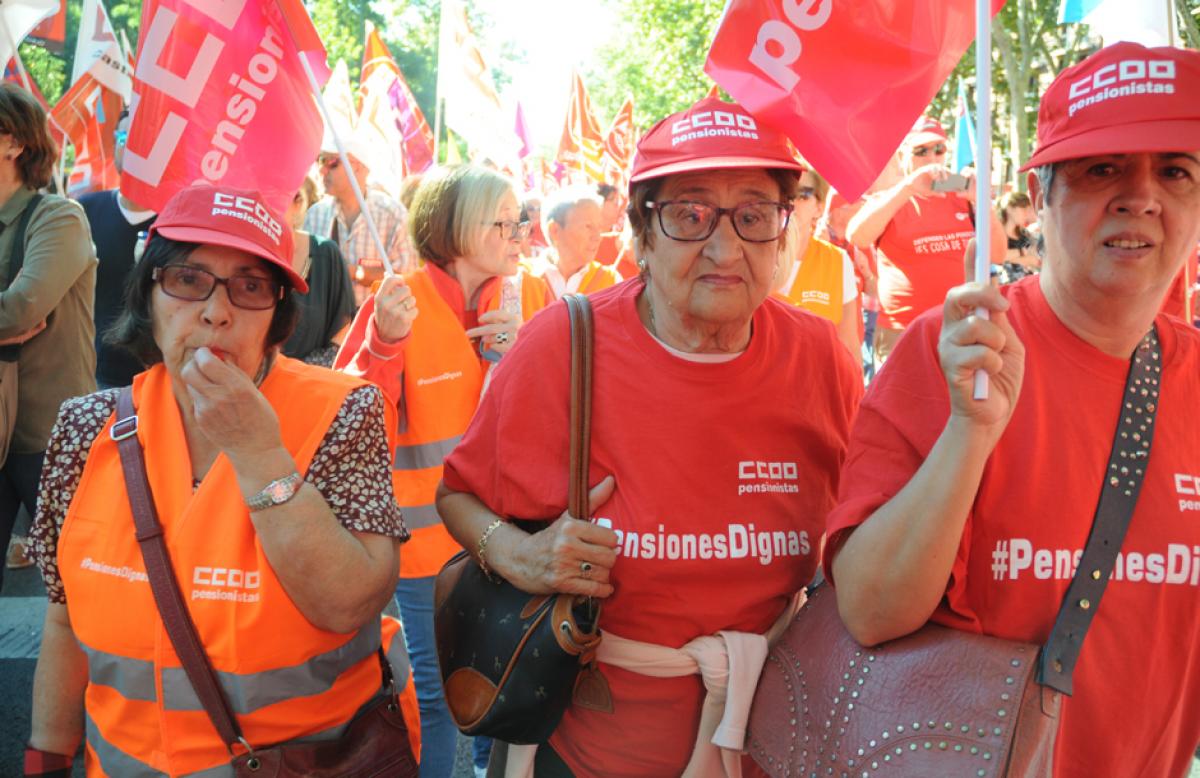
(657, 55)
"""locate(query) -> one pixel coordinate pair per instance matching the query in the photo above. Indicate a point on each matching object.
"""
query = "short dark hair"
(22, 117)
(605, 191)
(641, 221)
(134, 328)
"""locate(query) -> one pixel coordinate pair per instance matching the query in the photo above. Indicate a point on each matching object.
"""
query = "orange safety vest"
(443, 378)
(818, 281)
(284, 677)
(596, 278)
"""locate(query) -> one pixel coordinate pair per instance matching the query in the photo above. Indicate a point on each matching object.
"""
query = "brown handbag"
(941, 701)
(510, 660)
(374, 744)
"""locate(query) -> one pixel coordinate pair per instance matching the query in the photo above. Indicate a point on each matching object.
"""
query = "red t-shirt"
(1136, 706)
(921, 256)
(724, 472)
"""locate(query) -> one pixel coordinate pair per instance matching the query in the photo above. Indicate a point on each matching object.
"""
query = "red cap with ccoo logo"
(926, 130)
(711, 134)
(1124, 99)
(235, 218)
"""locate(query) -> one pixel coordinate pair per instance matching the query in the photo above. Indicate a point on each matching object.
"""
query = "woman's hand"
(228, 408)
(570, 555)
(395, 309)
(498, 330)
(968, 343)
(920, 181)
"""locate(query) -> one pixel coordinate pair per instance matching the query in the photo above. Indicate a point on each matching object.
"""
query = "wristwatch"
(277, 492)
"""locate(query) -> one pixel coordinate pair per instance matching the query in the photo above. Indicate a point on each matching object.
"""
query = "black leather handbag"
(511, 660)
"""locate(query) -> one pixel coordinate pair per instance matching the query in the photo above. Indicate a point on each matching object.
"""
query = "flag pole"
(341, 148)
(983, 162)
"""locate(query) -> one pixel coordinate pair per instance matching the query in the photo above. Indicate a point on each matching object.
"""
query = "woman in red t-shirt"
(719, 424)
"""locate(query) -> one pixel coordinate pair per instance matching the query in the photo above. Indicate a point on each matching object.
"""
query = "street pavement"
(22, 610)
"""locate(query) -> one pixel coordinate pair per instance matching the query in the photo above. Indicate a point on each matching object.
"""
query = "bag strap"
(1122, 484)
(16, 259)
(167, 596)
(582, 338)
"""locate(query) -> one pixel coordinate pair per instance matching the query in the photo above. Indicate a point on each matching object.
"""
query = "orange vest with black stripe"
(818, 281)
(284, 677)
(443, 379)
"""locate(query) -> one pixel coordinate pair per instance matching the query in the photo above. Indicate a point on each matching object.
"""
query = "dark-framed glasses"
(185, 282)
(511, 230)
(691, 220)
(328, 162)
(925, 151)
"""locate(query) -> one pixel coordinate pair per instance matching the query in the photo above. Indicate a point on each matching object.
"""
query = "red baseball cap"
(1124, 99)
(926, 130)
(710, 135)
(236, 218)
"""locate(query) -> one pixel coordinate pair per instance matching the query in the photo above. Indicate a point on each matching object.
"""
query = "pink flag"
(521, 128)
(221, 98)
(800, 67)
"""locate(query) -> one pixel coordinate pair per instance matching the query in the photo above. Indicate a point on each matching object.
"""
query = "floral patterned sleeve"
(351, 468)
(79, 422)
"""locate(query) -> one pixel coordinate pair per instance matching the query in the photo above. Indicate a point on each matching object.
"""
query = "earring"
(641, 263)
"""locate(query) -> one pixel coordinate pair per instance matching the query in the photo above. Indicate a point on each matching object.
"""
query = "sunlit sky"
(556, 35)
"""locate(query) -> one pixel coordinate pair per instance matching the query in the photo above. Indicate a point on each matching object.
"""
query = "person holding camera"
(921, 227)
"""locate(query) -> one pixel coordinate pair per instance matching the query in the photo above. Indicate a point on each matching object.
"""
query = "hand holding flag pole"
(342, 155)
(983, 161)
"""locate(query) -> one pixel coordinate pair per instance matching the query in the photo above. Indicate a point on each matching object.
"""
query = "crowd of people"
(332, 409)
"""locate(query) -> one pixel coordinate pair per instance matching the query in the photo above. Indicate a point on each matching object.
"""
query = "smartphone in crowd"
(952, 183)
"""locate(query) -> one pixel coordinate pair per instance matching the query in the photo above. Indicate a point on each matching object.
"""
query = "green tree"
(656, 54)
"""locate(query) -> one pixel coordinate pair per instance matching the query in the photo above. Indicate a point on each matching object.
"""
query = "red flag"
(582, 145)
(789, 64)
(417, 137)
(618, 144)
(51, 33)
(222, 99)
(88, 114)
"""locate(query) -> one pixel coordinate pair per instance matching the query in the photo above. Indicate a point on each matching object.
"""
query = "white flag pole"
(983, 161)
(341, 148)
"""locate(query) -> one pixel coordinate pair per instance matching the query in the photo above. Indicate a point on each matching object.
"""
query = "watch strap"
(275, 493)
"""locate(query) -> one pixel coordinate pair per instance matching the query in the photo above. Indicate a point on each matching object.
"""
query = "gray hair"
(560, 204)
(1045, 176)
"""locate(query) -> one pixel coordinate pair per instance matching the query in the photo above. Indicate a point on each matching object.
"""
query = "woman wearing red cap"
(270, 479)
(720, 419)
(1062, 509)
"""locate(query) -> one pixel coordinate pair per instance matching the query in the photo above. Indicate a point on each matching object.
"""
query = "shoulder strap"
(17, 259)
(176, 619)
(1122, 484)
(580, 311)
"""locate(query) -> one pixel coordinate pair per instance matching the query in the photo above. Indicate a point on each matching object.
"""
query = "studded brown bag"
(943, 702)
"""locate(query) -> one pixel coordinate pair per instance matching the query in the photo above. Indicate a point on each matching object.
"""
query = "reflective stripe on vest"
(114, 761)
(422, 455)
(419, 516)
(246, 692)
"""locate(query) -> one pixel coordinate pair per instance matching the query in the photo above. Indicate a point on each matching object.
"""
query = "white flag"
(465, 82)
(95, 36)
(340, 102)
(17, 18)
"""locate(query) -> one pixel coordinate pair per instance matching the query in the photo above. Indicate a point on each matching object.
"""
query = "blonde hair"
(450, 209)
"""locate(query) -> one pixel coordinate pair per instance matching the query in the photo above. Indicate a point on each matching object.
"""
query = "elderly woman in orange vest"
(269, 478)
(816, 275)
(720, 418)
(472, 298)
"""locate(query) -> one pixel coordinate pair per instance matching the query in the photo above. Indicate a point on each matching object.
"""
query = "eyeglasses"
(805, 193)
(120, 136)
(184, 282)
(511, 230)
(925, 151)
(690, 220)
(329, 163)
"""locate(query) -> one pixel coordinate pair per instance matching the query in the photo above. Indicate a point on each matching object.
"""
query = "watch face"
(279, 491)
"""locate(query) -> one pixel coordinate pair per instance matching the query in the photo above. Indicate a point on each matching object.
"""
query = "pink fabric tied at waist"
(729, 663)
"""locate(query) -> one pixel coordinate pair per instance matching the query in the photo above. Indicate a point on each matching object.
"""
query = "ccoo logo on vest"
(227, 583)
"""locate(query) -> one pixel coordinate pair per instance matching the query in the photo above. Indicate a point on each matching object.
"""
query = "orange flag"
(381, 75)
(88, 114)
(714, 93)
(618, 145)
(582, 145)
